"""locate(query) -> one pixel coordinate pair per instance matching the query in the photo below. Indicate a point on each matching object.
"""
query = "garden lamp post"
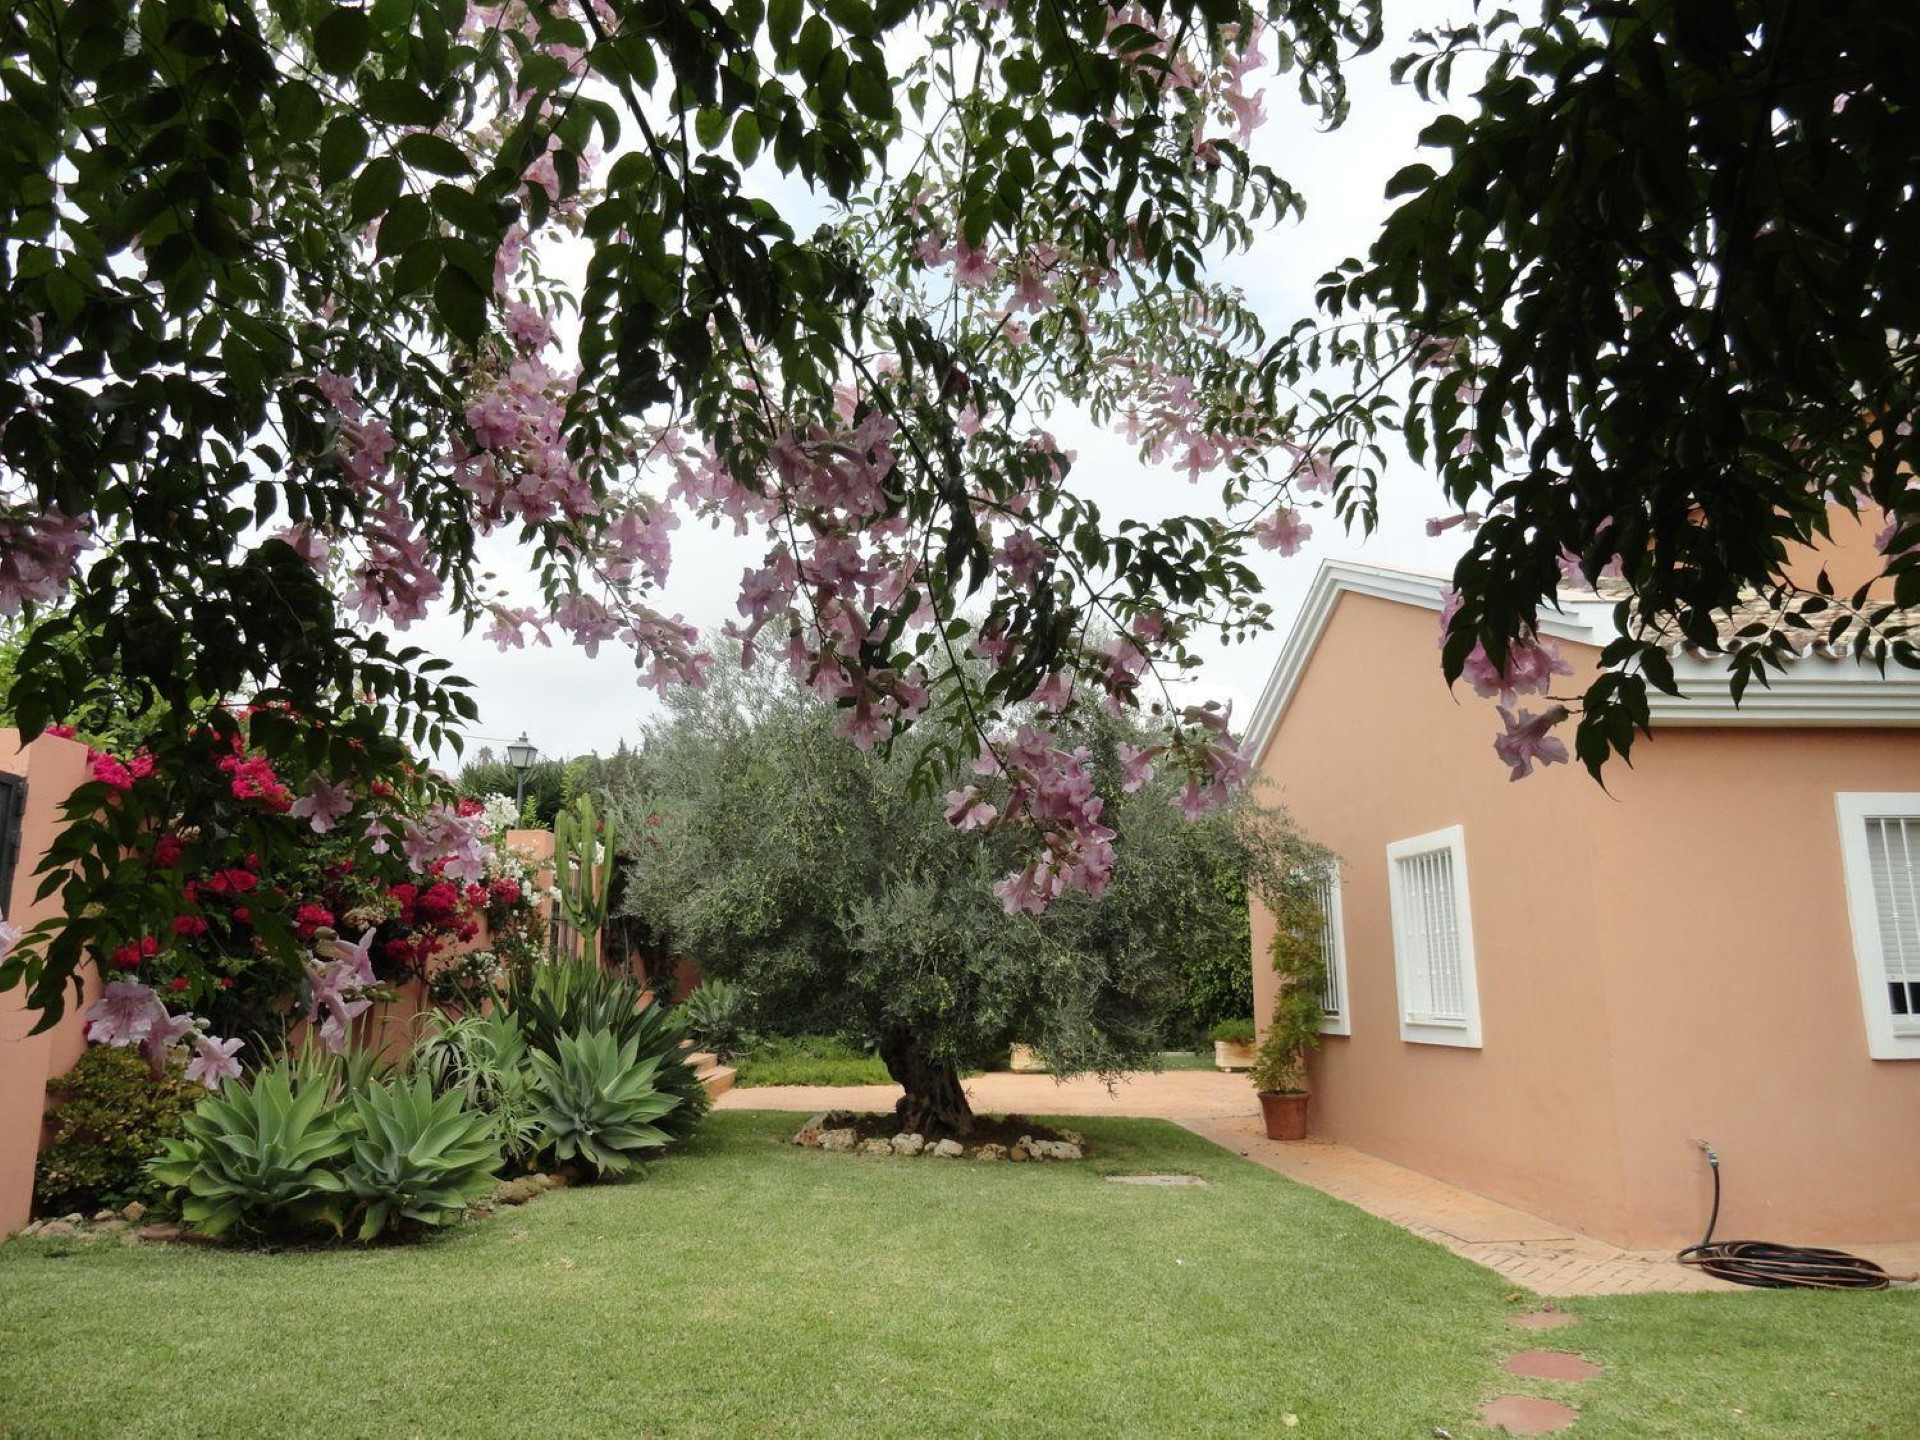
(520, 755)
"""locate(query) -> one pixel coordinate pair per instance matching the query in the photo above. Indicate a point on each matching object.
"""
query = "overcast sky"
(570, 704)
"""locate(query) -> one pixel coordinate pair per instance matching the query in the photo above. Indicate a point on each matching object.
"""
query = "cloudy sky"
(570, 704)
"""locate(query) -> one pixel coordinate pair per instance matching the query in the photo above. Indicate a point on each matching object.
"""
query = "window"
(1433, 939)
(1333, 945)
(1880, 845)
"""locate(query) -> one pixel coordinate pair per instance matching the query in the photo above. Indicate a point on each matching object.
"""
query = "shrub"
(716, 1016)
(598, 1102)
(1234, 1032)
(573, 997)
(484, 1060)
(264, 1155)
(1294, 1030)
(417, 1156)
(112, 1118)
(811, 1060)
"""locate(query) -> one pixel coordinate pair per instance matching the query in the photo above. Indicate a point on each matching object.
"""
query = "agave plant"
(716, 1016)
(417, 1156)
(598, 1101)
(484, 1060)
(572, 997)
(266, 1155)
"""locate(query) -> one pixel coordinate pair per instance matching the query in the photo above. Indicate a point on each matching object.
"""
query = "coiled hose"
(1777, 1267)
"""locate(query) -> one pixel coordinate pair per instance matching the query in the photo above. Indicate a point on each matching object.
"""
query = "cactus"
(583, 870)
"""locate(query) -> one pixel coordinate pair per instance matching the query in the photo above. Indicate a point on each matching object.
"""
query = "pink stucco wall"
(52, 767)
(1666, 962)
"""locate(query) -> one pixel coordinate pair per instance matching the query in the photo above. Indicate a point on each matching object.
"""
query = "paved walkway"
(1544, 1257)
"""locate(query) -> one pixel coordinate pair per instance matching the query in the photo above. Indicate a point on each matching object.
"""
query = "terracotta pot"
(1231, 1055)
(1285, 1113)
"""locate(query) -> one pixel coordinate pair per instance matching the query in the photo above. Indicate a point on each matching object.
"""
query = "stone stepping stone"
(1527, 1415)
(1157, 1180)
(1551, 1365)
(1543, 1319)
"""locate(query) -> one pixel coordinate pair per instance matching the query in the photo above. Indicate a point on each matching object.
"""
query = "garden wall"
(52, 768)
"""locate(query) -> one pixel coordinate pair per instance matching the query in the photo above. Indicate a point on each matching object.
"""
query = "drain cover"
(1157, 1180)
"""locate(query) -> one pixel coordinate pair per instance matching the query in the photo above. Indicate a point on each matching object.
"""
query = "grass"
(749, 1288)
(809, 1060)
(823, 1060)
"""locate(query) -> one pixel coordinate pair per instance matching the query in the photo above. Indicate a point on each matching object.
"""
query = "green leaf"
(461, 304)
(405, 223)
(342, 148)
(1409, 180)
(340, 41)
(746, 138)
(298, 111)
(399, 102)
(435, 153)
(374, 189)
(783, 21)
(709, 127)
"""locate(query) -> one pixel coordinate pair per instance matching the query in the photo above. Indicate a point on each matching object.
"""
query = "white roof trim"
(1813, 692)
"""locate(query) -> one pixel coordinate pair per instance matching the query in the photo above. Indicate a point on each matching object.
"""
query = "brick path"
(1544, 1257)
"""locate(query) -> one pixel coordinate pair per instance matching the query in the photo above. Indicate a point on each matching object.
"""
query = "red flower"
(127, 957)
(468, 807)
(240, 881)
(309, 918)
(179, 982)
(168, 851)
(190, 925)
(226, 982)
(149, 946)
(65, 732)
(243, 914)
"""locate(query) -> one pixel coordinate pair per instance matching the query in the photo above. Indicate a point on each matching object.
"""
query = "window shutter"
(1437, 992)
(1893, 848)
(1331, 1000)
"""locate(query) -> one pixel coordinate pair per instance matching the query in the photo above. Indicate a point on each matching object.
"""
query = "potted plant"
(1233, 1044)
(1279, 1072)
(1025, 1060)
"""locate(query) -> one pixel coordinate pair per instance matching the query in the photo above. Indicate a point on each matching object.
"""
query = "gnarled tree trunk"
(934, 1103)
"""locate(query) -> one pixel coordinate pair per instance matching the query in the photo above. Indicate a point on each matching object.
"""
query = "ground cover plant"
(816, 1295)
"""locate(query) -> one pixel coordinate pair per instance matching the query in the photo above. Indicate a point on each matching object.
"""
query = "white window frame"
(1886, 1039)
(1339, 1022)
(1416, 1028)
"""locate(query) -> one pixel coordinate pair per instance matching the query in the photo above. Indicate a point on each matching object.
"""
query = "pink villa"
(1548, 993)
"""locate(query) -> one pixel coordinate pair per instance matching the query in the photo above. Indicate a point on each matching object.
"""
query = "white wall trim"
(1814, 692)
(1886, 1039)
(1414, 1028)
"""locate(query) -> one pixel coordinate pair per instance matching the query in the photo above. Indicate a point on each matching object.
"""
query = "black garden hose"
(1777, 1267)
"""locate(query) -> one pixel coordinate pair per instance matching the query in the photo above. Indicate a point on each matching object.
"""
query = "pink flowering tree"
(287, 346)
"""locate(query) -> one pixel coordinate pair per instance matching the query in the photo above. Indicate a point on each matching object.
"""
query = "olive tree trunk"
(934, 1103)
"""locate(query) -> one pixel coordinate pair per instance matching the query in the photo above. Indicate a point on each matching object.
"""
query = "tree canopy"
(304, 304)
(820, 878)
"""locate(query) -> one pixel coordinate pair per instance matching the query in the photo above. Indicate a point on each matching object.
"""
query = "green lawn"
(749, 1288)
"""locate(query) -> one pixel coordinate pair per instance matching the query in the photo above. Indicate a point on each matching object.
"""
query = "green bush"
(810, 1060)
(113, 1114)
(417, 1156)
(1294, 1030)
(265, 1155)
(1234, 1032)
(716, 1016)
(484, 1060)
(572, 997)
(598, 1102)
